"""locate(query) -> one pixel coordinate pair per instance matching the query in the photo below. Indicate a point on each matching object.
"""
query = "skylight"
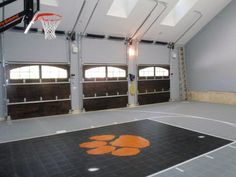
(178, 12)
(122, 8)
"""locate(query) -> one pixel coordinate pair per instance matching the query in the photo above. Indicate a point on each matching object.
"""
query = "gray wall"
(211, 54)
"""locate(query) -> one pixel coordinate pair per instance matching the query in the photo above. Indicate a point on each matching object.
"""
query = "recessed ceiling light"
(178, 12)
(49, 2)
(122, 8)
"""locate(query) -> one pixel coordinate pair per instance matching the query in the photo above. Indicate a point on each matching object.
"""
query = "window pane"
(115, 72)
(161, 72)
(52, 72)
(146, 72)
(26, 72)
(98, 72)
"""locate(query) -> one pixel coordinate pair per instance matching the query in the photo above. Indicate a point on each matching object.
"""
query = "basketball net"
(50, 22)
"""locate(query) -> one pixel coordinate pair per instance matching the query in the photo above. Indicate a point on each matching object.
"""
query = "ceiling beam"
(163, 10)
(145, 20)
(90, 17)
(77, 19)
(190, 27)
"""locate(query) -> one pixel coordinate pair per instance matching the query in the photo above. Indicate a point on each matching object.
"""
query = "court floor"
(209, 119)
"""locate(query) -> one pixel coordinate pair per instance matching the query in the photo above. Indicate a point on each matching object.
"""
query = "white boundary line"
(185, 115)
(90, 127)
(209, 157)
(234, 147)
(134, 120)
(179, 169)
(178, 126)
(176, 166)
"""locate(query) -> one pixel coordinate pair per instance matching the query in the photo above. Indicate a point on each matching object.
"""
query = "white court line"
(185, 162)
(179, 169)
(209, 157)
(90, 127)
(186, 115)
(234, 147)
(51, 134)
(179, 126)
(61, 131)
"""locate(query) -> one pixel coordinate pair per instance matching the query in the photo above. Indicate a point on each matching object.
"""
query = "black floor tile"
(60, 155)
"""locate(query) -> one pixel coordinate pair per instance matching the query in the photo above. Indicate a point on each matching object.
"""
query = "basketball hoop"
(50, 22)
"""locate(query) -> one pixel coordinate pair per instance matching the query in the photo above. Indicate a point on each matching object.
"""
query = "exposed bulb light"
(131, 51)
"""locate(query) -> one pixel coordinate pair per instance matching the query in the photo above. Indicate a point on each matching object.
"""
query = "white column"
(80, 74)
(75, 77)
(132, 69)
(2, 88)
(174, 75)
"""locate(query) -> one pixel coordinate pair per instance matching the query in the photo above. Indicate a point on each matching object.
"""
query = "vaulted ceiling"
(100, 23)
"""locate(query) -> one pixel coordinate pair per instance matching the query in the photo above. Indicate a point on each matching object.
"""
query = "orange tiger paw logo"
(125, 145)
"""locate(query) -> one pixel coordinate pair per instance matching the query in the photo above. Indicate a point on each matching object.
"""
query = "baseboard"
(76, 112)
(213, 97)
(132, 105)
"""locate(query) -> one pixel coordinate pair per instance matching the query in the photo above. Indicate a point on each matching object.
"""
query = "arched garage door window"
(97, 72)
(146, 72)
(52, 72)
(161, 72)
(115, 72)
(105, 72)
(153, 71)
(33, 72)
(25, 72)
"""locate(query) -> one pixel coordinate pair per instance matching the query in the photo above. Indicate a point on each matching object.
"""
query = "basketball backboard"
(14, 12)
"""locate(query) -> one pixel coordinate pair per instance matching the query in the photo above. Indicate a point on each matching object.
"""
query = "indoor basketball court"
(117, 88)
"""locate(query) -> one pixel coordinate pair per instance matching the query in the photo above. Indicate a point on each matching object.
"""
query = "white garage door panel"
(153, 54)
(34, 48)
(103, 51)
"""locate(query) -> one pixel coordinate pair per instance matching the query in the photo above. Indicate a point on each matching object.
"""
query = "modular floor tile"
(60, 155)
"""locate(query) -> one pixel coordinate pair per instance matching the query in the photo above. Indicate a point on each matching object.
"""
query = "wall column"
(174, 75)
(2, 83)
(132, 53)
(75, 76)
(80, 74)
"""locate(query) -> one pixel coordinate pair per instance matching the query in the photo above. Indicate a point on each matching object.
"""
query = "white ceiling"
(108, 25)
